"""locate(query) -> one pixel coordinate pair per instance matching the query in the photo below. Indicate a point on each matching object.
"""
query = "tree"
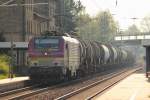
(71, 12)
(145, 24)
(83, 23)
(107, 26)
(132, 30)
(101, 28)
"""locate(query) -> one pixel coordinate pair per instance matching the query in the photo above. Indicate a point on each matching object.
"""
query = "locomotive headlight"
(57, 63)
(45, 53)
(34, 63)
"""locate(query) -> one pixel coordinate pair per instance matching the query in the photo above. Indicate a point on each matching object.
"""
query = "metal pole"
(11, 65)
(24, 24)
(63, 17)
(49, 11)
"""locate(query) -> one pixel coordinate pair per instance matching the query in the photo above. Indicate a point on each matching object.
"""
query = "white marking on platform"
(134, 95)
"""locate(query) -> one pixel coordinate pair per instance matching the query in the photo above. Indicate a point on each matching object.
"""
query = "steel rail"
(71, 94)
(38, 91)
(7, 93)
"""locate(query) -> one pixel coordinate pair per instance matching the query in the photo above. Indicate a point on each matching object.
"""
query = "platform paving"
(134, 87)
(12, 80)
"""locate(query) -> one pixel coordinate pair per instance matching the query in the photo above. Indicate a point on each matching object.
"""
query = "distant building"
(20, 23)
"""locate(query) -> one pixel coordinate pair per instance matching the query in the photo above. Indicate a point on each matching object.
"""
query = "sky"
(123, 12)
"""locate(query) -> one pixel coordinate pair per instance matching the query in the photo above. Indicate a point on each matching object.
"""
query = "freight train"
(64, 57)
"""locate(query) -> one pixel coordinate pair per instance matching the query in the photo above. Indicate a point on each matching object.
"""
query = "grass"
(3, 76)
(4, 66)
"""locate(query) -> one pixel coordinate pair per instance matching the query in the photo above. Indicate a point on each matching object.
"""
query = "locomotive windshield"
(52, 43)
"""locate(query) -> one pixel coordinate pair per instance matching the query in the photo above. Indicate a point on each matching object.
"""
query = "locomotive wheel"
(80, 73)
(68, 75)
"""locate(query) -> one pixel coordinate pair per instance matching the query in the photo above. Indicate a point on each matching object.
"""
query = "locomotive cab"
(53, 57)
(46, 56)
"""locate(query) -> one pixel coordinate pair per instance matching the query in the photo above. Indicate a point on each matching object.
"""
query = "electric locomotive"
(53, 57)
(63, 57)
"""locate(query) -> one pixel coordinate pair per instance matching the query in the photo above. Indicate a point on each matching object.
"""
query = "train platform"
(134, 87)
(13, 80)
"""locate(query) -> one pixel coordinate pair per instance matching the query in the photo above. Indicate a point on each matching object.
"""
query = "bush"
(4, 66)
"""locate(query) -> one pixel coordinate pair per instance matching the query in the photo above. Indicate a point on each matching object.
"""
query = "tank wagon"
(61, 57)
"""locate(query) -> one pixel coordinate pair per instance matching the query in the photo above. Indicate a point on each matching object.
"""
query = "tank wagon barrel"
(73, 57)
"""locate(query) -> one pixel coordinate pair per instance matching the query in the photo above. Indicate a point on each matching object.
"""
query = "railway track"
(57, 92)
(14, 85)
(92, 90)
(22, 93)
(13, 93)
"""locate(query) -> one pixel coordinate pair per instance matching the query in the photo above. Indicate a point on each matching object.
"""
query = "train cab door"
(68, 72)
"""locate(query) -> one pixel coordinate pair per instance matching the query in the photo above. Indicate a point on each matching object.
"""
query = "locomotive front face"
(46, 52)
(46, 57)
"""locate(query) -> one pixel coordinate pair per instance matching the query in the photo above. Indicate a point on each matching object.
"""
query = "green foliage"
(107, 26)
(71, 11)
(101, 28)
(4, 66)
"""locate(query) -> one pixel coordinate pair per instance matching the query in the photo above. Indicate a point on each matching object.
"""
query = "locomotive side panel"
(72, 55)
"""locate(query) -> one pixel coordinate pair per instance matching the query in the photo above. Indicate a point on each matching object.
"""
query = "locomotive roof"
(66, 38)
(46, 36)
(74, 40)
